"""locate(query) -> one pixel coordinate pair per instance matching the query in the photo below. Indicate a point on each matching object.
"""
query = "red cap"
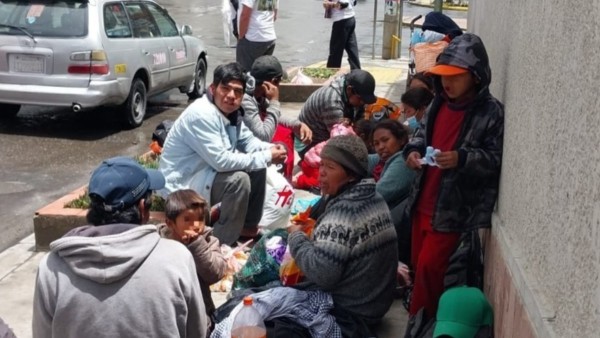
(446, 70)
(247, 300)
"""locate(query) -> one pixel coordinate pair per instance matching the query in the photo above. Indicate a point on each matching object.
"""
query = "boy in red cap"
(457, 194)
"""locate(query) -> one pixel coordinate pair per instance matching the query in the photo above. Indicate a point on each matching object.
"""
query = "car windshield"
(43, 18)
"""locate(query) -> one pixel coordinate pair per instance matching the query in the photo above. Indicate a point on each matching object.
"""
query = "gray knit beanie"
(350, 152)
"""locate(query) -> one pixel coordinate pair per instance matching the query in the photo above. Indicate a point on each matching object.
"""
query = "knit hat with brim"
(350, 152)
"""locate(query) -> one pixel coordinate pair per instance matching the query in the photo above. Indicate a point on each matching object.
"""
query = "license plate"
(26, 63)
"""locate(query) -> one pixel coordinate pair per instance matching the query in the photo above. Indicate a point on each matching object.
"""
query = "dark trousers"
(343, 38)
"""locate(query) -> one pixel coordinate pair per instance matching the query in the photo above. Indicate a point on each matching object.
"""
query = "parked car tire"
(8, 110)
(199, 80)
(134, 108)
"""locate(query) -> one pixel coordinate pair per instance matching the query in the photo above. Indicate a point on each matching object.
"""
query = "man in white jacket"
(209, 149)
(117, 278)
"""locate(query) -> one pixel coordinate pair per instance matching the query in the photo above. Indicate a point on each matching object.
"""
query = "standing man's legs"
(351, 44)
(248, 51)
(242, 196)
(337, 41)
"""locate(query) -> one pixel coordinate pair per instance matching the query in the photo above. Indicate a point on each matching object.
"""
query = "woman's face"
(332, 177)
(385, 143)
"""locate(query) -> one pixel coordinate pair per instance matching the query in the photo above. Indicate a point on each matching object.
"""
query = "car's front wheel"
(134, 108)
(8, 110)
(199, 80)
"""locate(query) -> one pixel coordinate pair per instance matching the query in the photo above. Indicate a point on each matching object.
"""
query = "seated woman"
(352, 253)
(387, 166)
(415, 102)
(394, 180)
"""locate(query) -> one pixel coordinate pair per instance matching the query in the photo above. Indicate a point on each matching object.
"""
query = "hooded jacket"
(119, 280)
(468, 192)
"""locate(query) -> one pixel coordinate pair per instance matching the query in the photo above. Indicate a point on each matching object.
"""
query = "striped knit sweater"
(324, 108)
(353, 254)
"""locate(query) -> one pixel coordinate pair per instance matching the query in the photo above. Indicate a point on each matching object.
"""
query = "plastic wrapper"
(289, 272)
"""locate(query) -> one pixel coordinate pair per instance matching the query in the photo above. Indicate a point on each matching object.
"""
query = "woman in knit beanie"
(352, 253)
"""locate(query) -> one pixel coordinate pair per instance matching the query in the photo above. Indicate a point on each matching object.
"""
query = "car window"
(163, 20)
(116, 24)
(142, 21)
(44, 18)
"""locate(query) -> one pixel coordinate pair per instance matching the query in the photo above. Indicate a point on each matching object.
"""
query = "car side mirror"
(186, 30)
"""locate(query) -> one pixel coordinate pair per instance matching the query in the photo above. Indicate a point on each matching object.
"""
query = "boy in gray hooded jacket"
(117, 278)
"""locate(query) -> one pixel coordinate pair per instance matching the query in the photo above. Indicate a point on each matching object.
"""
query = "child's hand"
(413, 161)
(447, 159)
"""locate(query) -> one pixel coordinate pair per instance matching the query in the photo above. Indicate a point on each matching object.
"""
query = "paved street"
(46, 152)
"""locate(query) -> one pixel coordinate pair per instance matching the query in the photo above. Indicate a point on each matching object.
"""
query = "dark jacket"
(467, 194)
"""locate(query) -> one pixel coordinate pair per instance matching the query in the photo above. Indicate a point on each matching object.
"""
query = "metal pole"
(437, 5)
(374, 29)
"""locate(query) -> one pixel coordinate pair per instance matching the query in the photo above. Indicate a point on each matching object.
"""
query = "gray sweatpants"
(242, 195)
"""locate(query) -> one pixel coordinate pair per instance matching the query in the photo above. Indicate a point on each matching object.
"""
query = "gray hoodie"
(118, 280)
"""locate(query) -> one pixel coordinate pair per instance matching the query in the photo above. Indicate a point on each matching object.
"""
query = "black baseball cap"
(266, 68)
(363, 84)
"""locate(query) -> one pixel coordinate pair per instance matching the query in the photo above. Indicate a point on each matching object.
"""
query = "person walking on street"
(256, 29)
(343, 36)
(117, 277)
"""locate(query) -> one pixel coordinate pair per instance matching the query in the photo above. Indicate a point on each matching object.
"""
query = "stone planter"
(290, 92)
(54, 220)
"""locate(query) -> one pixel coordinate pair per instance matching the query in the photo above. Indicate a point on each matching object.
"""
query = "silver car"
(83, 54)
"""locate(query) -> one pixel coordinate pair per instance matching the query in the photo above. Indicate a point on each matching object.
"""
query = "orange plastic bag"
(289, 272)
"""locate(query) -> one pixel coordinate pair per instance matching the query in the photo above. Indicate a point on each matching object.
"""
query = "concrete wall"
(546, 69)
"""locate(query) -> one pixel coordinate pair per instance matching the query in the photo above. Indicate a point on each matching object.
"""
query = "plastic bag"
(279, 197)
(301, 78)
(236, 259)
(227, 13)
(261, 268)
(289, 272)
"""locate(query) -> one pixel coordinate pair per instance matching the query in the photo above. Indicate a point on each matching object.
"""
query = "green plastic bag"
(260, 268)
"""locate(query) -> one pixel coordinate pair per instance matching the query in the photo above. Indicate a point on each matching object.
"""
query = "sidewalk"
(18, 264)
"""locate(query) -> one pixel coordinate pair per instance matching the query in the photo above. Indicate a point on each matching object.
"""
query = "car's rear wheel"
(199, 80)
(134, 108)
(8, 110)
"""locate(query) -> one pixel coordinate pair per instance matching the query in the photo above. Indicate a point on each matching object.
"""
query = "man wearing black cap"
(339, 102)
(112, 278)
(261, 107)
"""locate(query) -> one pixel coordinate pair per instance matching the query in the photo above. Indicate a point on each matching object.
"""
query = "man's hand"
(278, 154)
(447, 159)
(413, 161)
(304, 133)
(271, 91)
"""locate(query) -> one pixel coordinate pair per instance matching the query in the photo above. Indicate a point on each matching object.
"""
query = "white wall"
(545, 60)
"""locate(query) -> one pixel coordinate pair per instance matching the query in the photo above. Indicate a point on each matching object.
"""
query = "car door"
(181, 63)
(152, 47)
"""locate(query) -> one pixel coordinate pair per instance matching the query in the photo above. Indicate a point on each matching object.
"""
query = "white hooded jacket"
(119, 280)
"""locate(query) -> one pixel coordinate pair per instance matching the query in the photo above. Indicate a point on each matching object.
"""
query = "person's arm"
(322, 260)
(42, 313)
(264, 129)
(394, 185)
(205, 138)
(486, 159)
(210, 263)
(244, 21)
(249, 143)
